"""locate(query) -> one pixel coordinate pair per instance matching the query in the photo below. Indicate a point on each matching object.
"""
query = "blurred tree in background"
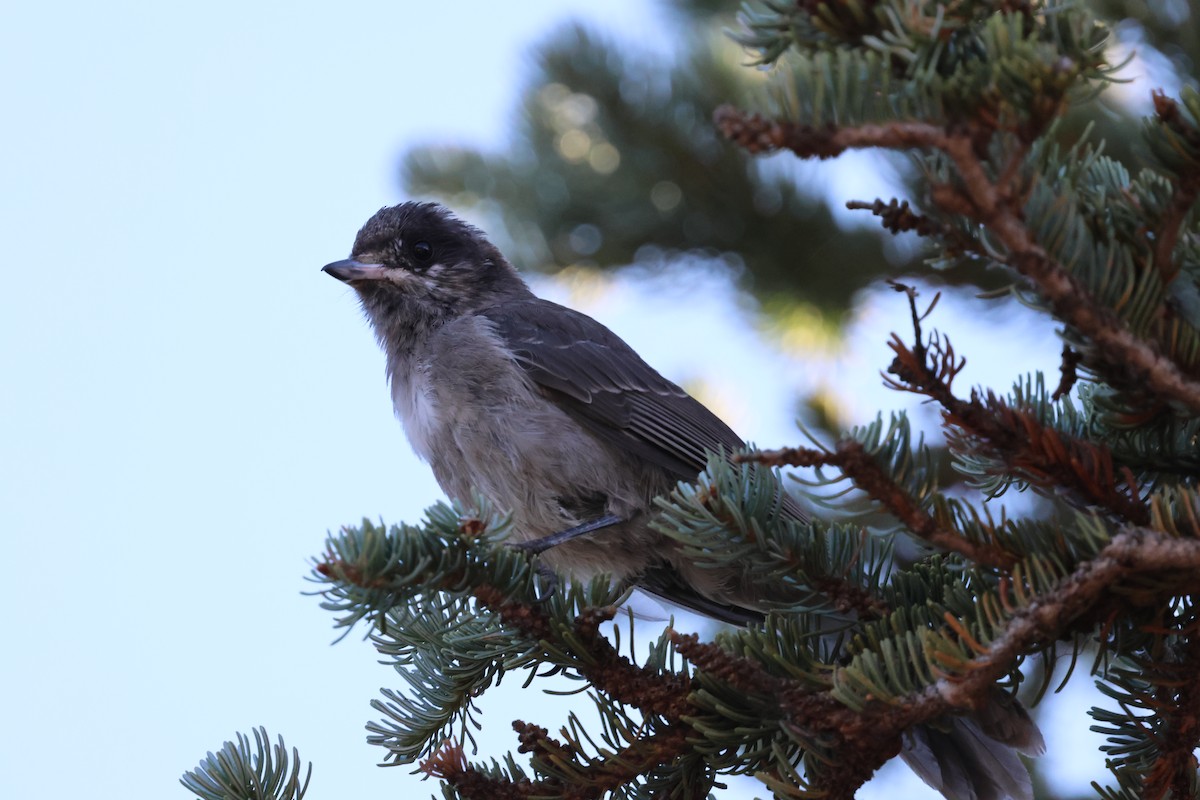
(614, 161)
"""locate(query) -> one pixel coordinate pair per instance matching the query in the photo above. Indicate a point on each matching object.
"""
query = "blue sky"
(188, 404)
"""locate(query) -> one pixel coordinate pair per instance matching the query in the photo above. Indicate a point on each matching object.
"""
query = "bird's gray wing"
(592, 374)
(603, 383)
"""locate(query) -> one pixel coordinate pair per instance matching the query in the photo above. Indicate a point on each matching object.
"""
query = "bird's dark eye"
(422, 251)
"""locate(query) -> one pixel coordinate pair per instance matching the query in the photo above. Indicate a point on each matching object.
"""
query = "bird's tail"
(974, 757)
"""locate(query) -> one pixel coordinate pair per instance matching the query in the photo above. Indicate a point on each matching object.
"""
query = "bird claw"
(547, 583)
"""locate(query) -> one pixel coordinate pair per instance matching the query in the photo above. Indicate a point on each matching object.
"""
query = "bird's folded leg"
(555, 539)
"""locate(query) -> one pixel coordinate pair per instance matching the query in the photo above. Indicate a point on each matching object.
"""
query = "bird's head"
(417, 265)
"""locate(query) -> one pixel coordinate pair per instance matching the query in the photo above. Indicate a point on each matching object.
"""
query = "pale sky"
(188, 404)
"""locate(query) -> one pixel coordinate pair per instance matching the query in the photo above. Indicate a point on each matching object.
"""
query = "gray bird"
(553, 417)
(540, 408)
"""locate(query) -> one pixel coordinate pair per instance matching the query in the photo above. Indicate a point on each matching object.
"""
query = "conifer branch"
(759, 135)
(648, 690)
(1069, 372)
(602, 775)
(1187, 188)
(868, 736)
(1173, 772)
(733, 517)
(450, 765)
(1047, 457)
(652, 692)
(864, 739)
(856, 463)
(743, 674)
(655, 693)
(896, 216)
(1136, 552)
(1126, 358)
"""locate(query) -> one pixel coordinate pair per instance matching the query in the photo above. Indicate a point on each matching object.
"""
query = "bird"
(540, 408)
(553, 417)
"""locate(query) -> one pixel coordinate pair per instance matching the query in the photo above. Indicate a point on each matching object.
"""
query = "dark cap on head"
(421, 255)
(394, 230)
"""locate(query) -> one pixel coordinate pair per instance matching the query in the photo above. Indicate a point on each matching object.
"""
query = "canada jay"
(540, 408)
(551, 416)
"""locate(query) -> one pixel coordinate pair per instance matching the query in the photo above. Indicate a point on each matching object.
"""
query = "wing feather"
(599, 379)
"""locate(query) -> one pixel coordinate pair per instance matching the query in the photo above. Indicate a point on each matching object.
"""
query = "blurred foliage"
(1163, 36)
(1171, 27)
(614, 161)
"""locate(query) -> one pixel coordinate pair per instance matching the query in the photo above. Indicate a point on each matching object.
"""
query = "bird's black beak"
(351, 271)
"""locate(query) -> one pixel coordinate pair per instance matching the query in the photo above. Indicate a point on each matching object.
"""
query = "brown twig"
(1008, 180)
(530, 619)
(758, 134)
(450, 765)
(743, 674)
(1069, 372)
(846, 598)
(601, 775)
(897, 217)
(1050, 459)
(789, 457)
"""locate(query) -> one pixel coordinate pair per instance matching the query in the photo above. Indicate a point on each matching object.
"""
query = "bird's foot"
(547, 583)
